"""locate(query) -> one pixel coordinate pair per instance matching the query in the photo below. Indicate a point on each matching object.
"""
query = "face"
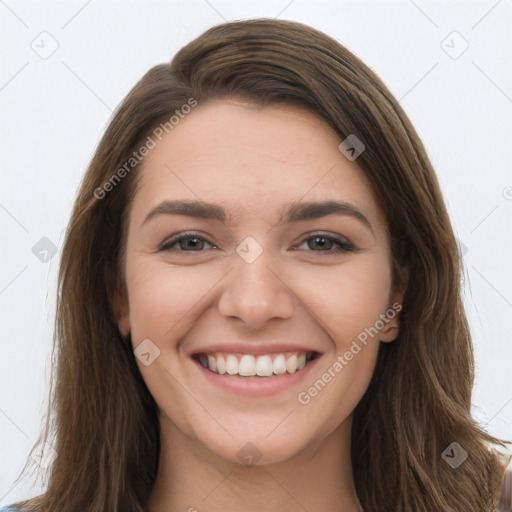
(256, 320)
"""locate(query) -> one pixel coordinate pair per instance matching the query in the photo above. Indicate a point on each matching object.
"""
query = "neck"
(191, 478)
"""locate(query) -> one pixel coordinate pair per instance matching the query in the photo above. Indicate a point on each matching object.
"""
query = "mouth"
(259, 366)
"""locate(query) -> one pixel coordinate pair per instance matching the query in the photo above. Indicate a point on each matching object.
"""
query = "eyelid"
(341, 243)
(183, 234)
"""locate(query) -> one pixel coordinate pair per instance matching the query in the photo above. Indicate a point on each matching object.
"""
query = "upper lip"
(253, 348)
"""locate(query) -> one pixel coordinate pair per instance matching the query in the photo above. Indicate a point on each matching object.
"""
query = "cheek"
(164, 303)
(349, 310)
(344, 299)
(162, 297)
(349, 299)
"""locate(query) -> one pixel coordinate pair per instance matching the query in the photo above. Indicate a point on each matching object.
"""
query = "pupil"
(320, 238)
(195, 241)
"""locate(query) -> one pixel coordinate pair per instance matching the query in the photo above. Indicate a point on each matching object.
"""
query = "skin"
(252, 161)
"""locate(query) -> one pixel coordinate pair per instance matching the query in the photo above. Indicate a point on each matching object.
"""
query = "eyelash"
(341, 244)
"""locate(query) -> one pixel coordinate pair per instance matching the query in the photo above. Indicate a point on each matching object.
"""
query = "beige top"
(503, 499)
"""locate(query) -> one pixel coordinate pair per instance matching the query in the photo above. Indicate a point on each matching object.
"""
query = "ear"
(122, 310)
(392, 326)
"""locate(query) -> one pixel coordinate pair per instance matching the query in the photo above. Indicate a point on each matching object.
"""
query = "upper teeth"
(247, 365)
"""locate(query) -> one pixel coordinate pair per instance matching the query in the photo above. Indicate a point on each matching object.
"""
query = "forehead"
(246, 156)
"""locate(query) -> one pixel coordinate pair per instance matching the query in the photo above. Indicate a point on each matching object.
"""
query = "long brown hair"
(102, 420)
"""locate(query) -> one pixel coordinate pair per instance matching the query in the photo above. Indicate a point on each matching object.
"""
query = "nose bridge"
(254, 291)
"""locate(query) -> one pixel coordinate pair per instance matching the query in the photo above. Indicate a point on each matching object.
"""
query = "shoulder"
(504, 490)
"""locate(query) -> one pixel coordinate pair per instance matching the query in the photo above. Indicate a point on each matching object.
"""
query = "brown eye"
(320, 242)
(187, 242)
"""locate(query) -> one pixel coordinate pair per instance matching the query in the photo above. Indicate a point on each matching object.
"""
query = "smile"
(249, 365)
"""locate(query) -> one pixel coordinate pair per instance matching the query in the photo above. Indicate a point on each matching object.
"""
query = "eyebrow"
(293, 212)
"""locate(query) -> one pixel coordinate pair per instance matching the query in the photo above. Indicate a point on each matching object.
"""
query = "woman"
(260, 302)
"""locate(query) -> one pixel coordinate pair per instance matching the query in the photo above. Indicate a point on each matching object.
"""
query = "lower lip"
(257, 386)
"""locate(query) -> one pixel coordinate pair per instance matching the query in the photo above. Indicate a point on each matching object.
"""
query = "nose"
(255, 293)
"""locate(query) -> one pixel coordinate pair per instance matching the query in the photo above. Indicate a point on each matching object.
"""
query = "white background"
(55, 109)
